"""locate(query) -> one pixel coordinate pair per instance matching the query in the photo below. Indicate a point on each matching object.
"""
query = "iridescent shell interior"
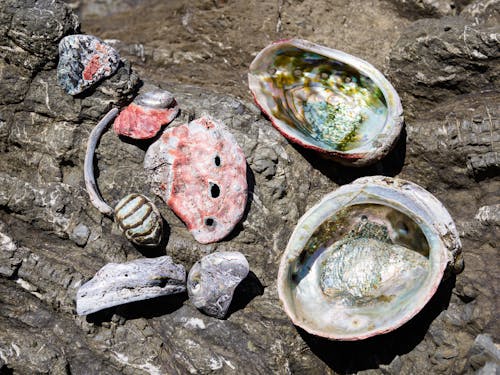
(359, 263)
(325, 99)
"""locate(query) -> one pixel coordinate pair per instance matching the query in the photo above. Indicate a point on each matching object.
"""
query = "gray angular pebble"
(119, 283)
(83, 61)
(80, 234)
(213, 279)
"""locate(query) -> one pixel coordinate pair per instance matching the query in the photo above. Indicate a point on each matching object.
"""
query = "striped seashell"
(139, 220)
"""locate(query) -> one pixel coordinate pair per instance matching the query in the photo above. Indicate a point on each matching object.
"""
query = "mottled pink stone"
(141, 123)
(144, 118)
(199, 170)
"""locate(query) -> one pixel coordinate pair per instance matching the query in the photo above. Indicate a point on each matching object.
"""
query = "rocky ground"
(441, 55)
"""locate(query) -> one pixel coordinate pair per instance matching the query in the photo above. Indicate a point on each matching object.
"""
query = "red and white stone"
(199, 170)
(144, 117)
(84, 60)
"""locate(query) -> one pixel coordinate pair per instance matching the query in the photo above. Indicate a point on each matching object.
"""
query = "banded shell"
(327, 100)
(367, 258)
(139, 220)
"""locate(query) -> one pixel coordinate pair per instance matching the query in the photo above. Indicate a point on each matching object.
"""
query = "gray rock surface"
(31, 29)
(438, 58)
(484, 354)
(483, 12)
(46, 253)
(119, 283)
(425, 8)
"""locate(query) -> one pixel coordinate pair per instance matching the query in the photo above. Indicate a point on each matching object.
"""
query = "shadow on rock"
(4, 370)
(353, 356)
(250, 189)
(143, 144)
(148, 309)
(389, 166)
(245, 292)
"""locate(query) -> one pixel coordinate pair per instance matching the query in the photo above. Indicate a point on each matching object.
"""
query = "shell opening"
(214, 190)
(360, 269)
(331, 103)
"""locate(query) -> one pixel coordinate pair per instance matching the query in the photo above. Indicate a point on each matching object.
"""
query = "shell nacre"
(366, 258)
(327, 100)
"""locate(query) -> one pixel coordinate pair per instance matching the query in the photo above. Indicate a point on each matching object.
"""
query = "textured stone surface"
(199, 170)
(438, 58)
(483, 12)
(213, 279)
(428, 8)
(84, 60)
(144, 118)
(43, 205)
(30, 31)
(484, 355)
(119, 283)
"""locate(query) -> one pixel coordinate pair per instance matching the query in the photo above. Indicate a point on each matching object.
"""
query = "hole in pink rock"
(217, 161)
(209, 222)
(214, 190)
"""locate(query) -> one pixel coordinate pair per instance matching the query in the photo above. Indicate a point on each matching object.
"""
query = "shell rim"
(394, 106)
(436, 280)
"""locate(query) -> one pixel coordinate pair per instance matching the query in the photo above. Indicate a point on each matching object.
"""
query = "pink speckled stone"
(199, 170)
(144, 118)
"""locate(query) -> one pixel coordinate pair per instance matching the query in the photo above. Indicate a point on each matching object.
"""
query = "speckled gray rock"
(436, 58)
(116, 284)
(484, 355)
(483, 11)
(84, 60)
(425, 8)
(212, 281)
(467, 130)
(31, 29)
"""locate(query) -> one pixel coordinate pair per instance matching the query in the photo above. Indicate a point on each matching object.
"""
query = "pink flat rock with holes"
(199, 170)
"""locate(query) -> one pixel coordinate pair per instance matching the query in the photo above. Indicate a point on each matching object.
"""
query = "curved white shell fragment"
(213, 279)
(327, 100)
(139, 220)
(88, 166)
(367, 258)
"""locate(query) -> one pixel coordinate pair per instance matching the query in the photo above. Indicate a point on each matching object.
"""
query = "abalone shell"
(367, 258)
(327, 100)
